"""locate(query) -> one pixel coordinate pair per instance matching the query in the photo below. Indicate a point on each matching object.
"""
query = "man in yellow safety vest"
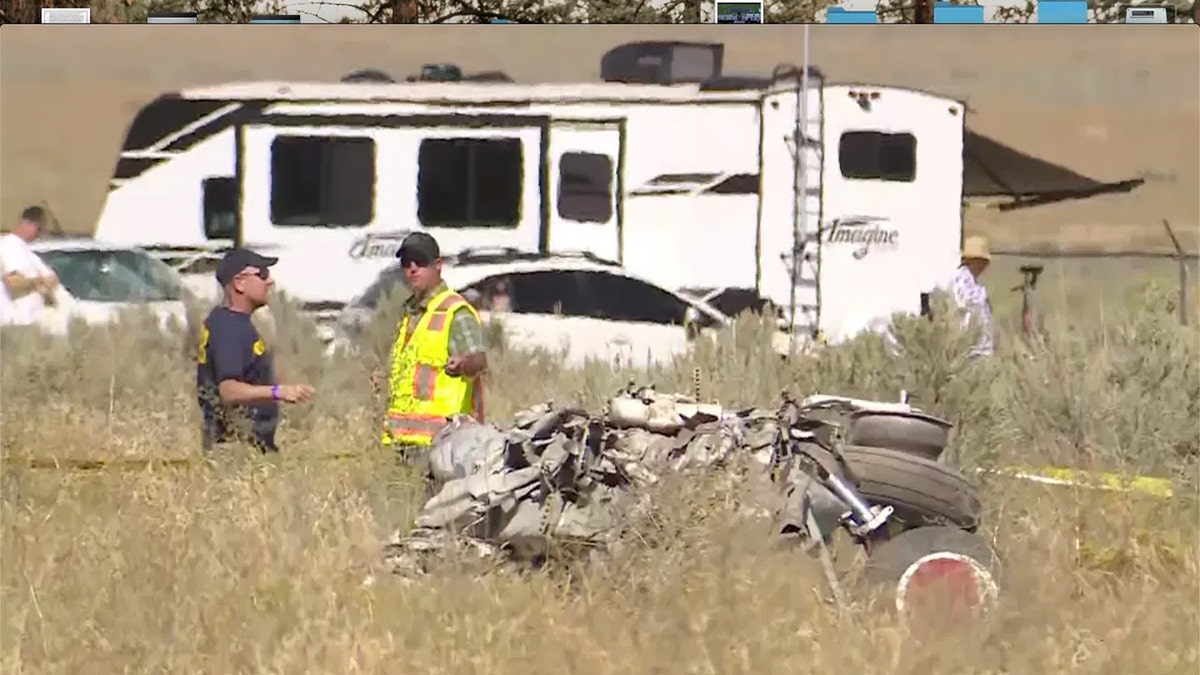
(438, 357)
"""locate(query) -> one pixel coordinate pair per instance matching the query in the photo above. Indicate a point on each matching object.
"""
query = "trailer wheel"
(922, 492)
(928, 565)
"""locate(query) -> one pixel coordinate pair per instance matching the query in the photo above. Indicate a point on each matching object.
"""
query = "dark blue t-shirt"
(232, 349)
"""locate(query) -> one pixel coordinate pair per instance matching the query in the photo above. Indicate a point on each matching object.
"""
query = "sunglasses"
(263, 273)
(420, 261)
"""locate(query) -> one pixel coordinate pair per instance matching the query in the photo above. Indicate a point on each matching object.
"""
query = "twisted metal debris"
(560, 477)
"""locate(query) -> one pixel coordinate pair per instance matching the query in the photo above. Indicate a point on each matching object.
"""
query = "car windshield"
(592, 294)
(390, 281)
(114, 275)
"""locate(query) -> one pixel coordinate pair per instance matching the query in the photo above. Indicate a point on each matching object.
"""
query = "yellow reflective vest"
(423, 396)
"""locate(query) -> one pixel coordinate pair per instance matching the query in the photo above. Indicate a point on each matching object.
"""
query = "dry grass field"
(260, 566)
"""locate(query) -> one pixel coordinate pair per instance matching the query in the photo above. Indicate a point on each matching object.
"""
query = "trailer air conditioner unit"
(662, 62)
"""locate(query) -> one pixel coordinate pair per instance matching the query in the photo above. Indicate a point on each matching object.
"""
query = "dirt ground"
(1110, 102)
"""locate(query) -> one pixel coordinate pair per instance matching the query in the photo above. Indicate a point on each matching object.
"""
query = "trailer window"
(683, 178)
(323, 182)
(872, 155)
(219, 206)
(737, 184)
(470, 182)
(585, 187)
(675, 184)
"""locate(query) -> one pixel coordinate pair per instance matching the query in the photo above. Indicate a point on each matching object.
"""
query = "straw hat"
(976, 247)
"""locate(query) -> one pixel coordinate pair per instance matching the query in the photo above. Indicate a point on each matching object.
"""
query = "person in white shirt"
(971, 296)
(28, 283)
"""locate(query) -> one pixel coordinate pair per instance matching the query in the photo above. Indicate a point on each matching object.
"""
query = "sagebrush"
(272, 565)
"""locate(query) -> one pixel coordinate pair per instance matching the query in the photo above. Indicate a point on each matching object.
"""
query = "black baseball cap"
(239, 259)
(419, 247)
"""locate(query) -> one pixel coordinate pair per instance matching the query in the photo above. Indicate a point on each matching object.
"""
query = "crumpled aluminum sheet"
(562, 477)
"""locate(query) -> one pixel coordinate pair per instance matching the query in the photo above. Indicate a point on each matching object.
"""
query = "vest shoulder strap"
(447, 301)
(434, 306)
(451, 302)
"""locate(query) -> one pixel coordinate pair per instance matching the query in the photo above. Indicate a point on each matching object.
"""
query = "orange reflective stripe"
(448, 302)
(417, 416)
(437, 322)
(415, 425)
(424, 382)
(402, 432)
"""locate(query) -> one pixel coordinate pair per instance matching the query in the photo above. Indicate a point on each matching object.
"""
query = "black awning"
(992, 169)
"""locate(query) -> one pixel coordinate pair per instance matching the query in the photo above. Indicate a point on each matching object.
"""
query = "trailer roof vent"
(733, 82)
(368, 75)
(736, 82)
(438, 72)
(662, 62)
(488, 76)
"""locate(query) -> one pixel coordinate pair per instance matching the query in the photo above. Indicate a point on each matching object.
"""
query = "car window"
(585, 294)
(734, 301)
(114, 276)
(540, 292)
(619, 298)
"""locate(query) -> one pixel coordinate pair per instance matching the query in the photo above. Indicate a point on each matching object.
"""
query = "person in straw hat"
(971, 296)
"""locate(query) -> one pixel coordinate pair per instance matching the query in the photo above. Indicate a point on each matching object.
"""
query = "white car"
(98, 280)
(733, 302)
(577, 305)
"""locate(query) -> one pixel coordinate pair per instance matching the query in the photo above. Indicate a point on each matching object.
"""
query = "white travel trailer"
(704, 181)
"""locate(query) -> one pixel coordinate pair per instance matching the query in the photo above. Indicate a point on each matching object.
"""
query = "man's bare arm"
(467, 345)
(20, 285)
(239, 393)
(234, 392)
(473, 364)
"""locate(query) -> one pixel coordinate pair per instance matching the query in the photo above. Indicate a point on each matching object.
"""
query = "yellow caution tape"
(73, 464)
(1052, 475)
(135, 463)
(1100, 480)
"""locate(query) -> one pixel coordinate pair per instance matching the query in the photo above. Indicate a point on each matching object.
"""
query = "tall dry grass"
(272, 565)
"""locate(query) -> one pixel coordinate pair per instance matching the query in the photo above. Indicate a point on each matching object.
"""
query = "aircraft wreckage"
(560, 479)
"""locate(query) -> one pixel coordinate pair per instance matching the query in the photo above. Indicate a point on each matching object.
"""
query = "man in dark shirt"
(235, 373)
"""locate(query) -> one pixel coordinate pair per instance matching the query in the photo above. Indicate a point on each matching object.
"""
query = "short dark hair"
(34, 214)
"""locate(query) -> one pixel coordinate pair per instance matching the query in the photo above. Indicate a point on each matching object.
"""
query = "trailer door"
(585, 190)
